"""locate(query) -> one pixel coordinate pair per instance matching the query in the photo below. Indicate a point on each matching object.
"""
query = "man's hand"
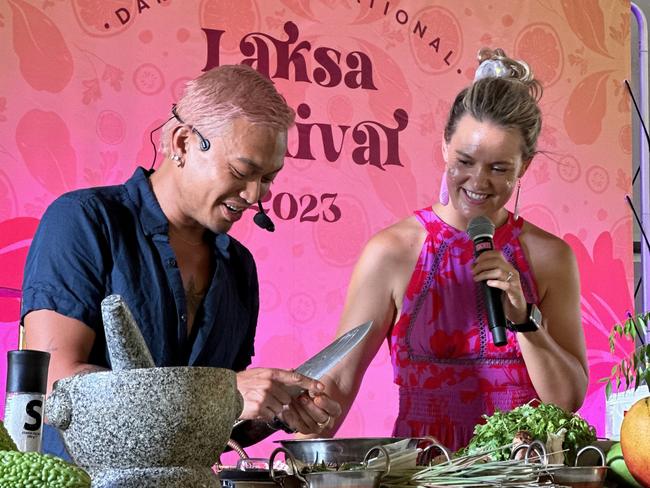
(267, 395)
(266, 391)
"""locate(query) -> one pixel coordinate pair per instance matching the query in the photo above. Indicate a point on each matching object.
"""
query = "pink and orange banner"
(85, 81)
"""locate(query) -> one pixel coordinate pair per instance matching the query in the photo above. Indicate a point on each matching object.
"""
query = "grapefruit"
(540, 45)
(635, 432)
(443, 35)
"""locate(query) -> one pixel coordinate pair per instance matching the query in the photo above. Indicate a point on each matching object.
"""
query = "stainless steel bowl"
(335, 451)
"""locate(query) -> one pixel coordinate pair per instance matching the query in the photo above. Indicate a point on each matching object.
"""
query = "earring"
(179, 161)
(517, 200)
(443, 198)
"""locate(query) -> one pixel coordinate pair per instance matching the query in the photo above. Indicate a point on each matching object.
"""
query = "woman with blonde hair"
(419, 282)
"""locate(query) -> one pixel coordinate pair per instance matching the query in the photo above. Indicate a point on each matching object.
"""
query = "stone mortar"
(143, 426)
(168, 425)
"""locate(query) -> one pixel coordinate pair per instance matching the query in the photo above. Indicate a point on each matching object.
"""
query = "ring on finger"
(509, 277)
(323, 424)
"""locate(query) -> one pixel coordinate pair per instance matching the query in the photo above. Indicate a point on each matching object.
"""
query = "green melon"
(617, 464)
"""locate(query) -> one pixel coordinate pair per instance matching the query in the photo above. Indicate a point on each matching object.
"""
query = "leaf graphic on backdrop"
(15, 238)
(584, 113)
(45, 60)
(396, 187)
(587, 21)
(300, 8)
(8, 198)
(43, 140)
(392, 89)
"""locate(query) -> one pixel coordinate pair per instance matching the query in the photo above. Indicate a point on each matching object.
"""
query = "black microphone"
(204, 145)
(481, 231)
(262, 220)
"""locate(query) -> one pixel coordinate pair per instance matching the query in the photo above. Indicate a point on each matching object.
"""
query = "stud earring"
(517, 200)
(179, 161)
(443, 198)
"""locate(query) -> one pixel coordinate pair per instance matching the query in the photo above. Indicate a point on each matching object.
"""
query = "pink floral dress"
(448, 371)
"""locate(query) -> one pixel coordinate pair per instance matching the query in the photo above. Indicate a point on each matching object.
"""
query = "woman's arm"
(375, 293)
(556, 355)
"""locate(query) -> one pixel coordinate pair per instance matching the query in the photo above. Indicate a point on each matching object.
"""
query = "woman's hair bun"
(494, 63)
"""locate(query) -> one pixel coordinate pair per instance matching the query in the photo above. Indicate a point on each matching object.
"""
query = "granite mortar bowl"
(146, 418)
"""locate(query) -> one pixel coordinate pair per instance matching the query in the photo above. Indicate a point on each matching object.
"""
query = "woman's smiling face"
(483, 161)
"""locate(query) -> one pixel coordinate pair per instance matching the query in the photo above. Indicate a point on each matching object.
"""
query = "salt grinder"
(25, 400)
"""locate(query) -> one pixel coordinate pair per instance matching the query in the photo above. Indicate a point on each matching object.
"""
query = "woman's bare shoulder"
(547, 253)
(397, 241)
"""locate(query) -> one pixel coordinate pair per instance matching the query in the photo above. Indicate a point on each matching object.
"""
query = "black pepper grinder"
(25, 400)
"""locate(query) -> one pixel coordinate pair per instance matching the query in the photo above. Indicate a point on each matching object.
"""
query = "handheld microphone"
(481, 231)
(262, 220)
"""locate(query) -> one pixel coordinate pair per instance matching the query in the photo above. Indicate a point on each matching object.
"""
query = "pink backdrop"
(84, 81)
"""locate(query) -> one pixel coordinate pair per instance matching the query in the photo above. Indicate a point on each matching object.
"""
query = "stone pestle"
(126, 346)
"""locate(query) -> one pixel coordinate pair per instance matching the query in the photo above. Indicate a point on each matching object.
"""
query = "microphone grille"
(480, 226)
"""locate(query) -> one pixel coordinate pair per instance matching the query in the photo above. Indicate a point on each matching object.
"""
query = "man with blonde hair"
(160, 241)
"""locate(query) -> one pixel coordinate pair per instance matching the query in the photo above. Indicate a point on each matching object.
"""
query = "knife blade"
(249, 432)
(320, 363)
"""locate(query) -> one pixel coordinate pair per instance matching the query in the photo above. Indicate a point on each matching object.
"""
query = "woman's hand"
(311, 414)
(492, 267)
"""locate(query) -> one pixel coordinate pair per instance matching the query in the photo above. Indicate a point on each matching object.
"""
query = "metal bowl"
(583, 476)
(335, 451)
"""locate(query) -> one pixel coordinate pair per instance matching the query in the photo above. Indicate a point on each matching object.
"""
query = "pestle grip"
(126, 346)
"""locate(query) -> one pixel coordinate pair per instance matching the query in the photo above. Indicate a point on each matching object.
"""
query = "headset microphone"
(262, 220)
(204, 145)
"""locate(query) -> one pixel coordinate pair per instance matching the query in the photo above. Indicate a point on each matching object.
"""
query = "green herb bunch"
(500, 429)
(635, 368)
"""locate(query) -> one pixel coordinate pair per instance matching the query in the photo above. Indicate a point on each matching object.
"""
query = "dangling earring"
(443, 198)
(179, 161)
(517, 200)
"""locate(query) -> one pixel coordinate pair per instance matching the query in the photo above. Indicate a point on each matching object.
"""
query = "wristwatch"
(533, 323)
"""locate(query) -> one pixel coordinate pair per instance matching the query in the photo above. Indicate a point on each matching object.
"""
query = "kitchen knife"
(249, 432)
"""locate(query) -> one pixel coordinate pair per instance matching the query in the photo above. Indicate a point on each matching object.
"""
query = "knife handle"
(249, 432)
(279, 424)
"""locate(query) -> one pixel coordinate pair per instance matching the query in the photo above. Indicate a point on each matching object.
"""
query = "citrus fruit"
(635, 432)
(597, 179)
(236, 17)
(617, 464)
(625, 139)
(442, 36)
(569, 169)
(110, 127)
(99, 18)
(148, 79)
(540, 46)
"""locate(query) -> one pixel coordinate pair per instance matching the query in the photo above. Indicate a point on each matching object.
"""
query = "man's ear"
(180, 140)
